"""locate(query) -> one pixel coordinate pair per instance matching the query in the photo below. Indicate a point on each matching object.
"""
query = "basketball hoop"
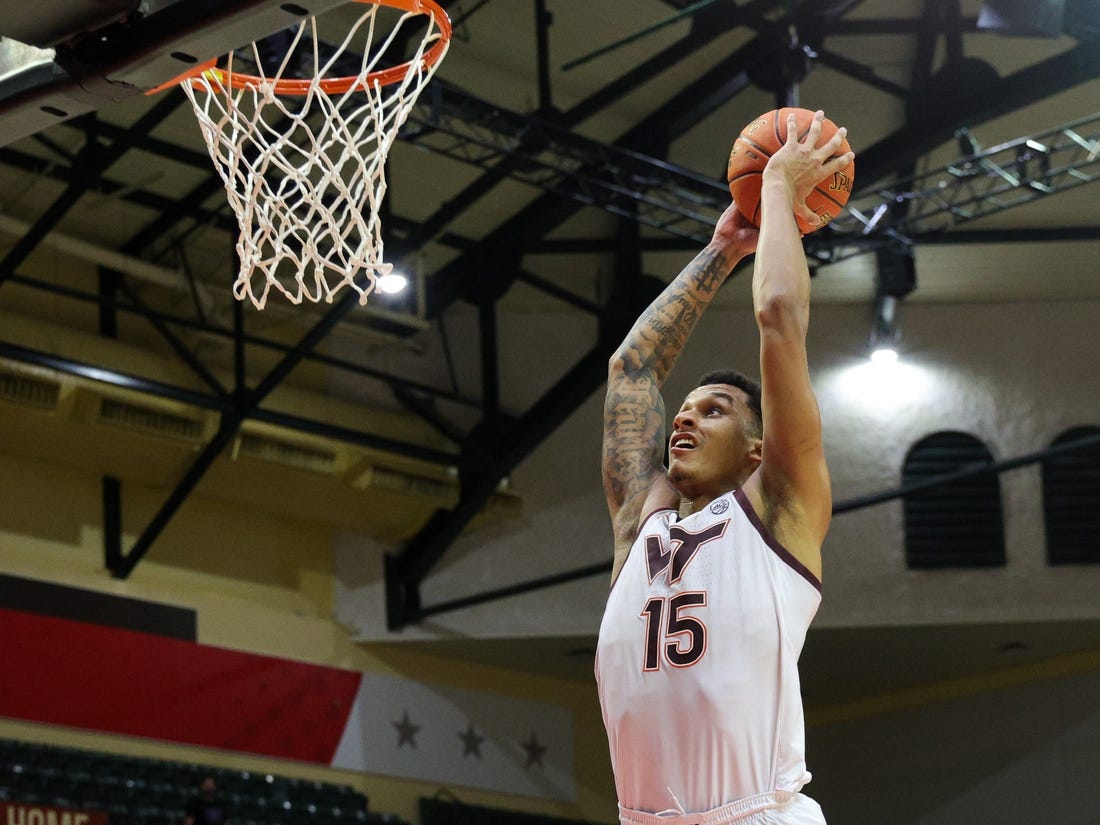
(303, 158)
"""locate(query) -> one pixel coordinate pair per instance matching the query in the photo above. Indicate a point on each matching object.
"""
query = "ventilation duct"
(27, 391)
(403, 482)
(286, 453)
(149, 420)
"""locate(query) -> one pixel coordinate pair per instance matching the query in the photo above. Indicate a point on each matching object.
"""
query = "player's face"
(710, 449)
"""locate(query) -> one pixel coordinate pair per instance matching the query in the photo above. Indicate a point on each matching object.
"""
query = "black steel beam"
(183, 208)
(541, 583)
(555, 291)
(543, 19)
(544, 417)
(431, 228)
(114, 378)
(108, 188)
(549, 211)
(394, 381)
(48, 220)
(704, 31)
(169, 335)
(125, 563)
(846, 506)
(405, 572)
(204, 401)
(490, 373)
(93, 161)
(920, 77)
(712, 23)
(426, 410)
(112, 522)
(244, 405)
(154, 145)
(899, 150)
(860, 72)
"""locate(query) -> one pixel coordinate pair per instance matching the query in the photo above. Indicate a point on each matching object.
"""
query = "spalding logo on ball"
(761, 138)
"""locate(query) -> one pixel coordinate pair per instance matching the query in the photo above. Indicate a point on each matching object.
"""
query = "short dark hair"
(742, 382)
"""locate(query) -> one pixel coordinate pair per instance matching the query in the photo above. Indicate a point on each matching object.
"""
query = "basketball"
(758, 141)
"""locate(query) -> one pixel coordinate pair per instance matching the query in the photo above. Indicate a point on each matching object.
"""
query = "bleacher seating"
(142, 791)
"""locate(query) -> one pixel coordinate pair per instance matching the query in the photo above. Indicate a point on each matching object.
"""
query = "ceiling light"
(884, 330)
(392, 283)
(896, 277)
(884, 355)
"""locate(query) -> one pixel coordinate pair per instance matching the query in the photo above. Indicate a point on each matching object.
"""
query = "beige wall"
(1015, 747)
(263, 584)
(265, 580)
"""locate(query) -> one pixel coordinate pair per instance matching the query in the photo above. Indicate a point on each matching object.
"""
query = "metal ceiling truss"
(544, 154)
(92, 162)
(928, 204)
(405, 571)
(558, 161)
(628, 178)
(568, 173)
(243, 403)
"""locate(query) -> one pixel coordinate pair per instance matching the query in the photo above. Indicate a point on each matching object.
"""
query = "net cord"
(308, 198)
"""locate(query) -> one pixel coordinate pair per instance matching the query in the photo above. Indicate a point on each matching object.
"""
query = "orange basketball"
(762, 138)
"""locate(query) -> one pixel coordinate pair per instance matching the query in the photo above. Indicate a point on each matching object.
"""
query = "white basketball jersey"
(697, 661)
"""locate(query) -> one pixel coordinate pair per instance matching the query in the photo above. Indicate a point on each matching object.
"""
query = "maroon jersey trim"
(638, 535)
(651, 514)
(773, 542)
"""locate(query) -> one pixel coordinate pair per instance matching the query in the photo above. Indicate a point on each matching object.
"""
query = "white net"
(305, 172)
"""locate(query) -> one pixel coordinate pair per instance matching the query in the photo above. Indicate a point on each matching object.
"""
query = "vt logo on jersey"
(684, 546)
(672, 634)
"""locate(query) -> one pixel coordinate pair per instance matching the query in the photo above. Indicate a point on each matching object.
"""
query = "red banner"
(15, 813)
(82, 675)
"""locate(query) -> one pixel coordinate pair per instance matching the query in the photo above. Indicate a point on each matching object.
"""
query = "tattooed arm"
(634, 413)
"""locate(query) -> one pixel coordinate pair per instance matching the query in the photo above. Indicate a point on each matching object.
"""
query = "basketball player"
(717, 569)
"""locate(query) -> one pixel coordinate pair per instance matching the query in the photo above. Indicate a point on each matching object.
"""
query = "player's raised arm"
(634, 428)
(793, 477)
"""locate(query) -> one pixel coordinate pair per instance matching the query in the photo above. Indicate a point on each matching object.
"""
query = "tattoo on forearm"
(634, 420)
(660, 333)
(634, 411)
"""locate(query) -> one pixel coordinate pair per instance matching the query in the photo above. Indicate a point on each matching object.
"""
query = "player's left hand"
(735, 230)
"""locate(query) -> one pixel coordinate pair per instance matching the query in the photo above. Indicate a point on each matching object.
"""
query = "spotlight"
(884, 330)
(968, 145)
(884, 355)
(392, 283)
(896, 277)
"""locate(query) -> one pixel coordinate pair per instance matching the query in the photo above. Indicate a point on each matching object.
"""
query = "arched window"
(958, 523)
(1071, 500)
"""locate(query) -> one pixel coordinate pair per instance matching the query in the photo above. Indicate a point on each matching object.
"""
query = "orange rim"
(333, 85)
